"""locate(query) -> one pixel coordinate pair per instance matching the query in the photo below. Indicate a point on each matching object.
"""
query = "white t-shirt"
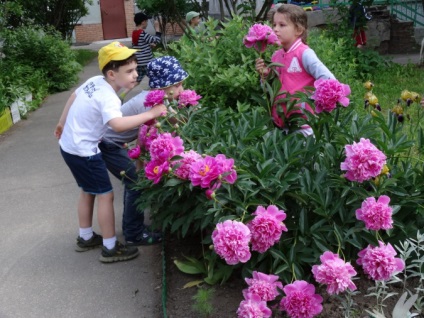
(95, 104)
(133, 107)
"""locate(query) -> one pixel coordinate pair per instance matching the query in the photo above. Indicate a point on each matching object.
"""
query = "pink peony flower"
(379, 263)
(135, 152)
(165, 146)
(263, 285)
(363, 161)
(154, 170)
(146, 135)
(335, 273)
(226, 167)
(204, 171)
(154, 97)
(259, 36)
(231, 241)
(253, 307)
(188, 98)
(300, 300)
(183, 171)
(266, 227)
(329, 92)
(376, 214)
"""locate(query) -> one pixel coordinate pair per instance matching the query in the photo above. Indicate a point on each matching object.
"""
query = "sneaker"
(146, 238)
(119, 253)
(84, 245)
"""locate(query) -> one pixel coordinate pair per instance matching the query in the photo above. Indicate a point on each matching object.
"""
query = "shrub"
(42, 51)
(301, 176)
(218, 63)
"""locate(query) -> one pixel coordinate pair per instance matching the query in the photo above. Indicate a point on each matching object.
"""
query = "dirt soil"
(226, 298)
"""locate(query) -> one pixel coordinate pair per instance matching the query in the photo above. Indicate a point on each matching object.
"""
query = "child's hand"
(158, 110)
(58, 130)
(261, 67)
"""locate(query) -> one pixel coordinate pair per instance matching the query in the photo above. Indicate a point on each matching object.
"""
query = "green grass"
(84, 56)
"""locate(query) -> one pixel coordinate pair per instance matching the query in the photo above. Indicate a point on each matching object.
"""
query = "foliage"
(412, 252)
(300, 175)
(168, 11)
(343, 58)
(9, 9)
(44, 52)
(19, 80)
(83, 56)
(202, 304)
(218, 64)
(62, 15)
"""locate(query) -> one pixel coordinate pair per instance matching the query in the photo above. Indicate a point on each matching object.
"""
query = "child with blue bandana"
(164, 73)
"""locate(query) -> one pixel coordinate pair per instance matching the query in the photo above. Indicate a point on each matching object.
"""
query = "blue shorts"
(89, 172)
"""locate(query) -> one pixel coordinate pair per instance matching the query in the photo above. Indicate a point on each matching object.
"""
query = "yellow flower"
(368, 95)
(385, 170)
(415, 97)
(398, 110)
(368, 85)
(405, 95)
(373, 100)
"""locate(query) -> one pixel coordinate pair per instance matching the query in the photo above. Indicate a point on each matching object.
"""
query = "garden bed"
(226, 298)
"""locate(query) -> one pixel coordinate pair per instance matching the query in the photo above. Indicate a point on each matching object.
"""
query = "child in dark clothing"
(358, 18)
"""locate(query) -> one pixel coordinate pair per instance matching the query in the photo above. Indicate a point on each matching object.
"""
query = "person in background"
(193, 20)
(358, 18)
(143, 43)
(89, 111)
(301, 66)
(164, 73)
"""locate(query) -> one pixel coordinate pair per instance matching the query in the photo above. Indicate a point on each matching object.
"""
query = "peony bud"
(158, 125)
(122, 173)
(210, 194)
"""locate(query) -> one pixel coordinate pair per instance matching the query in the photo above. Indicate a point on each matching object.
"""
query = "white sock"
(109, 243)
(86, 233)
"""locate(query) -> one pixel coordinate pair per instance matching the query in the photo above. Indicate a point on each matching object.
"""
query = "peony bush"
(267, 204)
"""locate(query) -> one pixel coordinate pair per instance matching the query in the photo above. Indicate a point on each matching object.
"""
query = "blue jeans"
(117, 160)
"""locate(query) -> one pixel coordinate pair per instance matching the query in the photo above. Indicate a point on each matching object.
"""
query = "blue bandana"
(165, 71)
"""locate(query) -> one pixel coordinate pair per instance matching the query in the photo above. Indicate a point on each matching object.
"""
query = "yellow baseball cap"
(114, 51)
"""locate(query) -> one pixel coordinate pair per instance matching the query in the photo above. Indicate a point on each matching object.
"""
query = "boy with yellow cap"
(95, 107)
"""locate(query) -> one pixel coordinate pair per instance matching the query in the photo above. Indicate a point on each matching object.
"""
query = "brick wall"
(87, 33)
(173, 29)
(129, 16)
(402, 38)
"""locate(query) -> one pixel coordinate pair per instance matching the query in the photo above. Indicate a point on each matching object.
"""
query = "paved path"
(40, 273)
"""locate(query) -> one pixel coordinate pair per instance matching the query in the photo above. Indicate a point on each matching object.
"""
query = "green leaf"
(190, 267)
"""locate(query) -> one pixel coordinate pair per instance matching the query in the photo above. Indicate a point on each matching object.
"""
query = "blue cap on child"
(165, 71)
